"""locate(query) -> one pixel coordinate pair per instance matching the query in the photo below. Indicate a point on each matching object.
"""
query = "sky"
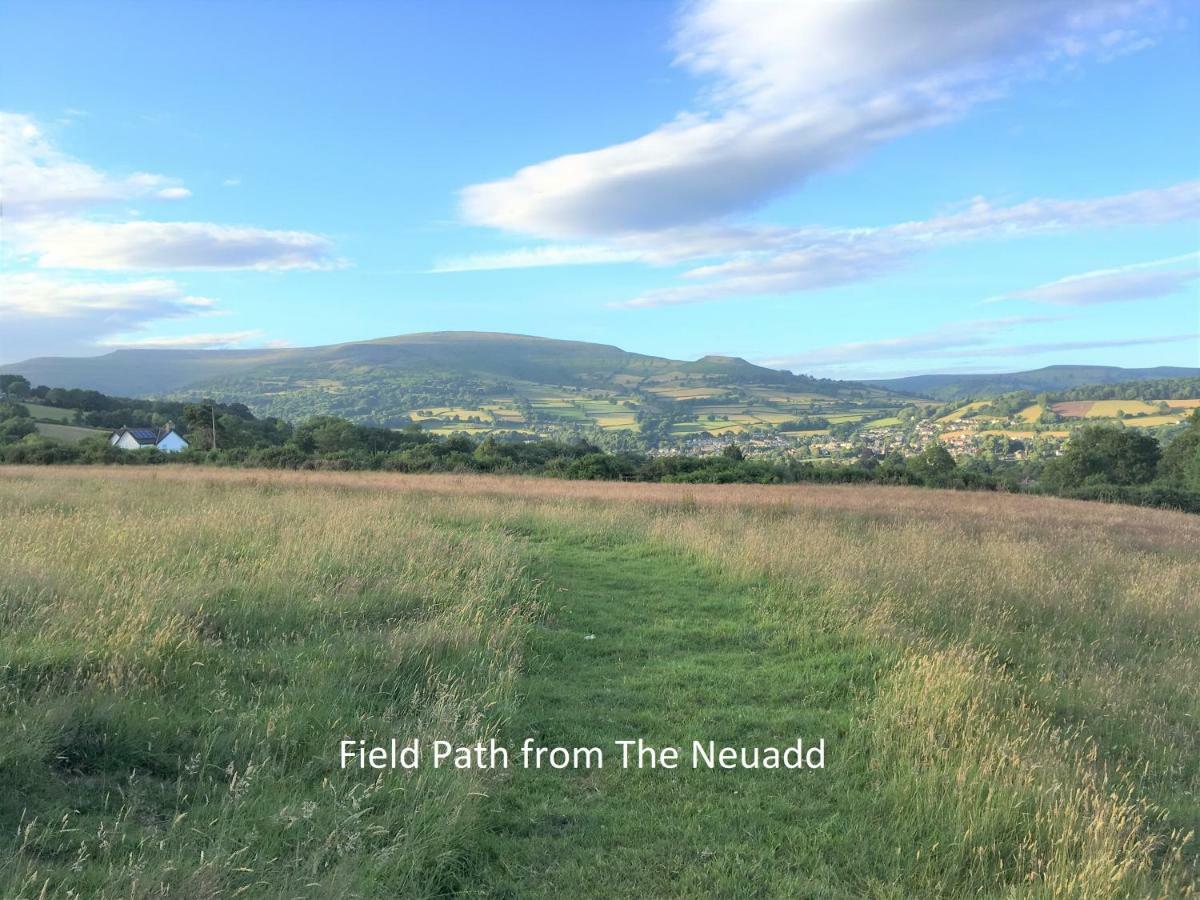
(850, 189)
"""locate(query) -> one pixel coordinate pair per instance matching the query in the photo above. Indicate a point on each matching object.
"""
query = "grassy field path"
(677, 655)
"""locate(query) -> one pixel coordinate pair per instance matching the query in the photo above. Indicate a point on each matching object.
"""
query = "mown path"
(677, 655)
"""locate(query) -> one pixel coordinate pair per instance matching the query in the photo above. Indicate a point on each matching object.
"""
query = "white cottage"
(165, 438)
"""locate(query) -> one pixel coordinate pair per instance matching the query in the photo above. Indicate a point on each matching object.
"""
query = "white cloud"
(1138, 281)
(950, 345)
(813, 258)
(37, 178)
(37, 295)
(84, 244)
(534, 257)
(795, 89)
(40, 315)
(798, 88)
(209, 341)
(956, 336)
(47, 193)
(772, 259)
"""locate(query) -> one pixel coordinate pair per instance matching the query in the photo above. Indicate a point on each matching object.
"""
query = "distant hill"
(1050, 378)
(472, 377)
(474, 354)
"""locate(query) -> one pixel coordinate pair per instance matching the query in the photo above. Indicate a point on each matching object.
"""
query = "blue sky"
(857, 189)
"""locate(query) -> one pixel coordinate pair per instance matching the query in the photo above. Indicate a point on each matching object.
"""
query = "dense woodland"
(1101, 462)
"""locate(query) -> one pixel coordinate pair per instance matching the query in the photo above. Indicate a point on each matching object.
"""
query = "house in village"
(165, 438)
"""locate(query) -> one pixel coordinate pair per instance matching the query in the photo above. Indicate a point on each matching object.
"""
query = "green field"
(1007, 687)
(69, 433)
(49, 413)
(964, 410)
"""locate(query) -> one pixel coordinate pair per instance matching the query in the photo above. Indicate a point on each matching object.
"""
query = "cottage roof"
(146, 436)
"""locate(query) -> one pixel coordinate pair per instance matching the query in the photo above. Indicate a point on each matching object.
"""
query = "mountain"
(472, 354)
(1050, 378)
(472, 374)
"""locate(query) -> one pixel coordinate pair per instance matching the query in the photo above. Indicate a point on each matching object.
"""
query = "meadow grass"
(1008, 686)
(69, 433)
(181, 657)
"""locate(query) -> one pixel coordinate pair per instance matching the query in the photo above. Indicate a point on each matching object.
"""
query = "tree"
(1104, 454)
(733, 452)
(932, 465)
(15, 422)
(14, 386)
(1180, 462)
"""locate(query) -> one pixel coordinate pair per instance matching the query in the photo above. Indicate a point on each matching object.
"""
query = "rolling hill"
(467, 378)
(1049, 378)
(470, 354)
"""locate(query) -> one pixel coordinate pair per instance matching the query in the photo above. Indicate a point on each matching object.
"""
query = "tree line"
(1100, 462)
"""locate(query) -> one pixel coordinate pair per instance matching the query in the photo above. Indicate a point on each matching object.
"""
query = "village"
(1010, 441)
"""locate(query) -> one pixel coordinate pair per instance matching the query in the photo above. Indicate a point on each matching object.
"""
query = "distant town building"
(165, 438)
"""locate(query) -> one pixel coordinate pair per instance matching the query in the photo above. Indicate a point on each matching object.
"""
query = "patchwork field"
(1111, 409)
(725, 412)
(1007, 686)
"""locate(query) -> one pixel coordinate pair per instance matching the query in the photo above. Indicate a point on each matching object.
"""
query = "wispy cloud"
(40, 315)
(54, 298)
(813, 258)
(1138, 281)
(47, 194)
(85, 244)
(795, 89)
(950, 347)
(954, 337)
(209, 341)
(535, 257)
(751, 261)
(39, 179)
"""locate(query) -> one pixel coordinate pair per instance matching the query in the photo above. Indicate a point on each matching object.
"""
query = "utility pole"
(212, 406)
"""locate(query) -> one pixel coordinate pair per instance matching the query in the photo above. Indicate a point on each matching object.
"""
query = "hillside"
(1049, 378)
(469, 381)
(500, 356)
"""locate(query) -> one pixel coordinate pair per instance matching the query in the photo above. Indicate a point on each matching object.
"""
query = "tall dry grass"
(179, 659)
(1035, 729)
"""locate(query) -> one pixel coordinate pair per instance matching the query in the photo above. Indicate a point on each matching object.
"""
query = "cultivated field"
(1008, 687)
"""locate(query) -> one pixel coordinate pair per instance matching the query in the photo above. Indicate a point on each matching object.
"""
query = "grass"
(1112, 408)
(963, 410)
(70, 433)
(671, 643)
(1152, 421)
(175, 682)
(1008, 687)
(49, 413)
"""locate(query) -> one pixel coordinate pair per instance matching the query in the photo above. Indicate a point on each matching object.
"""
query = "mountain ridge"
(386, 379)
(1048, 378)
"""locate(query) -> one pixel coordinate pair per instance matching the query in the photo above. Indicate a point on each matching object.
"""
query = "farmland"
(1007, 686)
(68, 433)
